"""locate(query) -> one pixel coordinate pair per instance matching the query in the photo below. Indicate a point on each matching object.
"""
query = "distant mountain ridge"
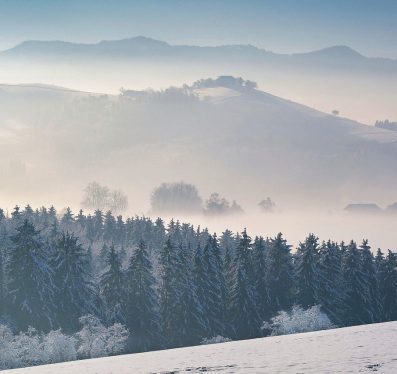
(145, 44)
(334, 78)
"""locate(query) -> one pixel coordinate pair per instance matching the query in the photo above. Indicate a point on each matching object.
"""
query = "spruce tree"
(202, 286)
(31, 285)
(142, 304)
(331, 293)
(112, 288)
(259, 261)
(67, 220)
(243, 309)
(97, 225)
(215, 306)
(388, 287)
(109, 227)
(120, 231)
(306, 272)
(189, 311)
(76, 292)
(169, 292)
(368, 268)
(279, 274)
(2, 280)
(358, 308)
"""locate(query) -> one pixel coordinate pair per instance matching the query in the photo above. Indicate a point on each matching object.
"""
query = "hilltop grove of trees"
(172, 285)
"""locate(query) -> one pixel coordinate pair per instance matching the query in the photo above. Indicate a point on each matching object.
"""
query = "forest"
(172, 284)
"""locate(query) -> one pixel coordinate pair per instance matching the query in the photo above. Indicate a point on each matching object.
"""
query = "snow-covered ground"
(356, 349)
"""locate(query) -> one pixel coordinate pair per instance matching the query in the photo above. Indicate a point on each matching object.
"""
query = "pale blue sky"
(369, 26)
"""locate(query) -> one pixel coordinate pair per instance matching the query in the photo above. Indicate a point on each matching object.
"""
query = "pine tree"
(76, 292)
(243, 310)
(142, 304)
(306, 272)
(31, 286)
(358, 309)
(112, 288)
(279, 274)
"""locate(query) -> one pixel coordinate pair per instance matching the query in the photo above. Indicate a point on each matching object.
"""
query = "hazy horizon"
(283, 27)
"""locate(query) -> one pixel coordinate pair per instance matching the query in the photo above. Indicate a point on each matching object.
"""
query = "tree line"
(175, 285)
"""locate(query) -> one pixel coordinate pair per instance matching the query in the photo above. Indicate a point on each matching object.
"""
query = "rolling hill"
(211, 134)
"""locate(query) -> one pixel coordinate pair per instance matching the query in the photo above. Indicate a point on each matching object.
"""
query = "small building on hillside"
(392, 208)
(367, 208)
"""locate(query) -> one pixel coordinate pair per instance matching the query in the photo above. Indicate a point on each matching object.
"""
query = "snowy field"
(358, 349)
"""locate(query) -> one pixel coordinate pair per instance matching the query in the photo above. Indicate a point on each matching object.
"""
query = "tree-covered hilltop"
(172, 284)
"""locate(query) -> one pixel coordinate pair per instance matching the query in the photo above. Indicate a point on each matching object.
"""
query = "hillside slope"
(360, 349)
(210, 134)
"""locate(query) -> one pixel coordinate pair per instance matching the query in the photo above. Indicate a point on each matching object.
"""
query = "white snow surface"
(359, 349)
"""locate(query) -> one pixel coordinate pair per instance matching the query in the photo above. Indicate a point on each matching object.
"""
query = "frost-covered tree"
(29, 348)
(142, 304)
(117, 201)
(76, 294)
(112, 288)
(96, 196)
(216, 205)
(176, 197)
(96, 340)
(306, 272)
(8, 353)
(298, 320)
(31, 287)
(59, 347)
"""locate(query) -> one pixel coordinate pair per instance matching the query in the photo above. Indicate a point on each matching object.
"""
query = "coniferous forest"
(171, 284)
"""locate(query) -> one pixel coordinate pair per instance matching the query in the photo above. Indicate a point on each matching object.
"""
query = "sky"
(286, 26)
